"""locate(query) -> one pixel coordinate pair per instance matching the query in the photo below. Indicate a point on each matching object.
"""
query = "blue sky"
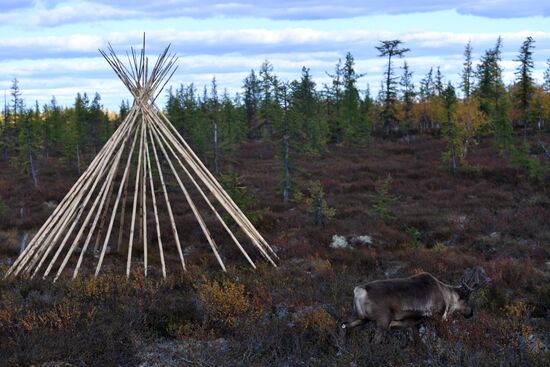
(51, 45)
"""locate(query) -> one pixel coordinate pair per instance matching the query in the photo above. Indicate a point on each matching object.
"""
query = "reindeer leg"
(350, 325)
(378, 334)
(415, 333)
(382, 324)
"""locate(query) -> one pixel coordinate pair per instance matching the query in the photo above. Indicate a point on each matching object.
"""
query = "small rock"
(339, 242)
(351, 241)
(362, 240)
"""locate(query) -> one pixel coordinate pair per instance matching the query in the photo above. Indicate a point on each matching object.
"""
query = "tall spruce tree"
(5, 129)
(546, 76)
(351, 102)
(449, 128)
(76, 131)
(467, 75)
(252, 97)
(17, 104)
(215, 121)
(269, 109)
(52, 128)
(29, 125)
(390, 49)
(306, 111)
(492, 93)
(97, 125)
(524, 73)
(409, 94)
(288, 134)
(438, 83)
(426, 93)
(334, 104)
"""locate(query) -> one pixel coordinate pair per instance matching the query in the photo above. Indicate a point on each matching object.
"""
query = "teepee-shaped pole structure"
(133, 166)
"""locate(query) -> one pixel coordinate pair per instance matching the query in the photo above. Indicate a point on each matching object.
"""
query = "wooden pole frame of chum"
(130, 167)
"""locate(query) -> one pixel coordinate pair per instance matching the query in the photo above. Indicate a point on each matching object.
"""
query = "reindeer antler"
(475, 278)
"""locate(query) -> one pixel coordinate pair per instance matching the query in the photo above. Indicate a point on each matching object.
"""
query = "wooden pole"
(82, 201)
(72, 212)
(103, 219)
(154, 200)
(136, 191)
(101, 196)
(63, 206)
(122, 216)
(192, 205)
(125, 179)
(168, 206)
(104, 192)
(199, 189)
(144, 196)
(219, 194)
(210, 181)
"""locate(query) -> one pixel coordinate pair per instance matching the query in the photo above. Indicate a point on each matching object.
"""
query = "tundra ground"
(489, 215)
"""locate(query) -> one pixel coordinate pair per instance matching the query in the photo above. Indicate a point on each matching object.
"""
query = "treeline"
(74, 134)
(304, 117)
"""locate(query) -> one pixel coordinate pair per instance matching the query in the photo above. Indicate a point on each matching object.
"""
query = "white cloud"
(63, 65)
(261, 41)
(56, 12)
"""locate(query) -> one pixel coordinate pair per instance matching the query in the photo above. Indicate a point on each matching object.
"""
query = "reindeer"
(407, 302)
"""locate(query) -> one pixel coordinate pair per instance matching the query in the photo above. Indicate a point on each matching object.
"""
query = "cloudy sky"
(51, 45)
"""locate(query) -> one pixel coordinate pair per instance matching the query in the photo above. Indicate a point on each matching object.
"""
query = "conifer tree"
(467, 77)
(52, 128)
(334, 104)
(351, 102)
(215, 120)
(269, 109)
(450, 129)
(492, 94)
(306, 111)
(229, 123)
(426, 93)
(16, 101)
(438, 83)
(524, 73)
(75, 131)
(409, 94)
(251, 97)
(5, 129)
(97, 123)
(390, 49)
(29, 125)
(546, 82)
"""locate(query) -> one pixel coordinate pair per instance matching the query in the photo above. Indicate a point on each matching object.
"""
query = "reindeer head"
(473, 279)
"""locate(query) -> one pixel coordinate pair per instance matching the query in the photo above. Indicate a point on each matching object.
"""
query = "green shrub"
(233, 185)
(531, 166)
(383, 199)
(416, 243)
(311, 198)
